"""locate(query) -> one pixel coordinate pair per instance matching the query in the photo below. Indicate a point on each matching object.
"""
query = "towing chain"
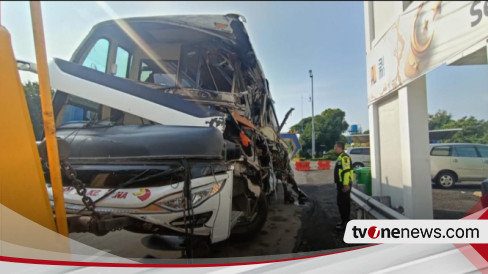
(70, 173)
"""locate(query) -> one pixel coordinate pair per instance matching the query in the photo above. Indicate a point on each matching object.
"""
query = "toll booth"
(405, 40)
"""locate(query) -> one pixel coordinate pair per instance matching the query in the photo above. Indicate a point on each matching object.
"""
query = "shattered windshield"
(151, 73)
(199, 68)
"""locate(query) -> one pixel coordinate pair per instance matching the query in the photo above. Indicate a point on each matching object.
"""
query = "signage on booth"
(424, 37)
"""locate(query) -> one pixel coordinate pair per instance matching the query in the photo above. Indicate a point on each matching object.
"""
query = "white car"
(360, 156)
(451, 163)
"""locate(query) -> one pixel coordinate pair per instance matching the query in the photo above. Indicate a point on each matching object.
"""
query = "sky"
(289, 39)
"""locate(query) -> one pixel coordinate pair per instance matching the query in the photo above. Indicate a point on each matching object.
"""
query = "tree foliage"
(31, 91)
(439, 119)
(329, 126)
(473, 130)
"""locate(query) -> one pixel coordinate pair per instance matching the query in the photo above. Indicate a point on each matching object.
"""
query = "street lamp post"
(313, 119)
(302, 114)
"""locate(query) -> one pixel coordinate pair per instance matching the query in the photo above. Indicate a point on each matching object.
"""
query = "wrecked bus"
(168, 127)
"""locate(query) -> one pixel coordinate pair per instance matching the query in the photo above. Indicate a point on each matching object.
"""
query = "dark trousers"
(344, 204)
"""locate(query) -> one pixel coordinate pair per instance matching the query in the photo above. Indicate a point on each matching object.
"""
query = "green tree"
(300, 127)
(439, 120)
(366, 131)
(473, 130)
(329, 126)
(31, 91)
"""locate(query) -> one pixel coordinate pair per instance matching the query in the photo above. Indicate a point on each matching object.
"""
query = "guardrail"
(484, 192)
(371, 206)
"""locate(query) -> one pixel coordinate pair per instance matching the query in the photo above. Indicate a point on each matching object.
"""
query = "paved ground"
(278, 235)
(456, 202)
(318, 225)
(290, 228)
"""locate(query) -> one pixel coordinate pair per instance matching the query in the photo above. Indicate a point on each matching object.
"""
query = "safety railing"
(371, 206)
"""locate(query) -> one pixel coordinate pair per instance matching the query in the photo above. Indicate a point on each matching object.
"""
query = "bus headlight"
(176, 201)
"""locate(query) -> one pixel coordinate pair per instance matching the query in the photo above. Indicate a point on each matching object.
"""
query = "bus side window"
(97, 58)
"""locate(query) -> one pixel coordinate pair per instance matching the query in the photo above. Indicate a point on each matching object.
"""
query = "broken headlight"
(176, 202)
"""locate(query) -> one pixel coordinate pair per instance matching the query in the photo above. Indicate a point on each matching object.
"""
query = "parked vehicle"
(360, 156)
(451, 163)
(171, 128)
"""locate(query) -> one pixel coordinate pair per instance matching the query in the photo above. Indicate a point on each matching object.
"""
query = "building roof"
(442, 134)
(360, 138)
(437, 134)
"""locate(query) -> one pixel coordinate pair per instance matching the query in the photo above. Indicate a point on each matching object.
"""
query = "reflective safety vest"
(343, 173)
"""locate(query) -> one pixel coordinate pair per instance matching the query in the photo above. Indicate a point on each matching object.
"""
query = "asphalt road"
(454, 203)
(318, 225)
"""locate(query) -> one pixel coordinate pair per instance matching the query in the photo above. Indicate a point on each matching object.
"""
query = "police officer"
(343, 176)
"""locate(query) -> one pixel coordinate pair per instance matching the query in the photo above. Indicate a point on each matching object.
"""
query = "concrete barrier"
(312, 165)
(302, 166)
(325, 165)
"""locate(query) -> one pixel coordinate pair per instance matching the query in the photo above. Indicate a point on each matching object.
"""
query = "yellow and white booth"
(404, 41)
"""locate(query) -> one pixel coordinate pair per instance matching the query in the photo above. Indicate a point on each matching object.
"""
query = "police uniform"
(343, 176)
